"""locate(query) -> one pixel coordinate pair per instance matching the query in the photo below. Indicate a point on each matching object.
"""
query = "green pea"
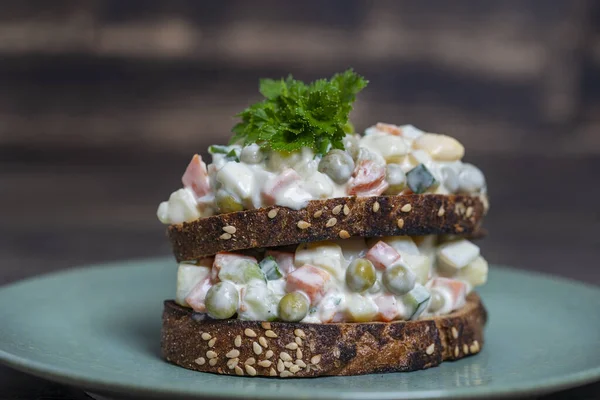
(226, 203)
(338, 165)
(293, 307)
(399, 279)
(396, 178)
(360, 275)
(222, 300)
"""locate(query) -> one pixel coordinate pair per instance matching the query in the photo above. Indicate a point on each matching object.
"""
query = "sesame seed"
(465, 349)
(441, 211)
(265, 363)
(250, 370)
(211, 354)
(299, 354)
(454, 333)
(232, 363)
(474, 347)
(291, 346)
(318, 214)
(206, 336)
(303, 225)
(238, 371)
(225, 236)
(280, 366)
(294, 369)
(315, 359)
(286, 374)
(301, 363)
(249, 332)
(469, 212)
(229, 229)
(337, 209)
(211, 342)
(336, 352)
(200, 361)
(272, 372)
(233, 353)
(250, 361)
(273, 213)
(300, 333)
(263, 342)
(456, 351)
(406, 208)
(400, 223)
(257, 349)
(237, 341)
(285, 356)
(220, 370)
(459, 228)
(287, 364)
(346, 209)
(212, 362)
(376, 206)
(430, 349)
(344, 234)
(298, 341)
(270, 334)
(269, 354)
(331, 222)
(265, 325)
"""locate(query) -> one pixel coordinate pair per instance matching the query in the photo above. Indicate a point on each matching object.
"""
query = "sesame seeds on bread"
(283, 349)
(331, 219)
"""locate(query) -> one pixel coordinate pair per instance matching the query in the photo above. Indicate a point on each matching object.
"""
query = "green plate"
(99, 328)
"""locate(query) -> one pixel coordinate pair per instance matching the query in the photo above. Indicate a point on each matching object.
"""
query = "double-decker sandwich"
(305, 249)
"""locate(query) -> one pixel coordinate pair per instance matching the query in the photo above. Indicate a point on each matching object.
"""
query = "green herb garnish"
(217, 149)
(296, 115)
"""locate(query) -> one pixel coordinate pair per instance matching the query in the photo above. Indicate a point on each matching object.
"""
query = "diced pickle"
(360, 275)
(270, 268)
(222, 300)
(241, 273)
(399, 279)
(418, 300)
(226, 203)
(293, 307)
(420, 179)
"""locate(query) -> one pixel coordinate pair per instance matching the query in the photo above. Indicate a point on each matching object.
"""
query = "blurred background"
(102, 104)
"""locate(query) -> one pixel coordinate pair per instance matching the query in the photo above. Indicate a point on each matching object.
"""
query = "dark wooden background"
(103, 102)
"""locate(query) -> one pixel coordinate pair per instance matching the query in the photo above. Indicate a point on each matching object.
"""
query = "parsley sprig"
(294, 114)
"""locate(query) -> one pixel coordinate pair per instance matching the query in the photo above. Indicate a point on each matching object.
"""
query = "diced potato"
(402, 244)
(392, 148)
(181, 207)
(258, 303)
(475, 273)
(420, 265)
(238, 179)
(188, 276)
(197, 295)
(454, 290)
(278, 183)
(353, 248)
(387, 308)
(457, 254)
(325, 255)
(225, 259)
(440, 147)
(309, 279)
(382, 255)
(360, 308)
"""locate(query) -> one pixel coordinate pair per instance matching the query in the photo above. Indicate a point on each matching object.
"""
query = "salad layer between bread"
(297, 146)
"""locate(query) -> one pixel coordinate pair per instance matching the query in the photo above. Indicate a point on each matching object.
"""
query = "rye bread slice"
(283, 349)
(330, 219)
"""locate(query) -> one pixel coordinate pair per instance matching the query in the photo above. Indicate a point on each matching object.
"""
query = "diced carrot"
(309, 279)
(196, 177)
(197, 295)
(388, 308)
(389, 128)
(284, 260)
(278, 183)
(222, 259)
(368, 179)
(382, 255)
(456, 288)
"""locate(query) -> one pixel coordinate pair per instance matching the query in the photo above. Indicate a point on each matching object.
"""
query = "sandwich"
(305, 249)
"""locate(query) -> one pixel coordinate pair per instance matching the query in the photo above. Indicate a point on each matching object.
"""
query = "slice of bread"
(331, 219)
(283, 349)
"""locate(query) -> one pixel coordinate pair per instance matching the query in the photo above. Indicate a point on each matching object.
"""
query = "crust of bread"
(282, 349)
(331, 219)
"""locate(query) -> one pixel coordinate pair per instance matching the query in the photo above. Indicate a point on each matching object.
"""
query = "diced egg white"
(458, 254)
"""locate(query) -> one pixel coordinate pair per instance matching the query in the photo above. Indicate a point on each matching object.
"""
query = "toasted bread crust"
(271, 349)
(331, 219)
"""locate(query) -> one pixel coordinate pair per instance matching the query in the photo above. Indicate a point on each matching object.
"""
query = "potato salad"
(386, 160)
(356, 280)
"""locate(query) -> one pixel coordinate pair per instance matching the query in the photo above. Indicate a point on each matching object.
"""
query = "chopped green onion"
(233, 156)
